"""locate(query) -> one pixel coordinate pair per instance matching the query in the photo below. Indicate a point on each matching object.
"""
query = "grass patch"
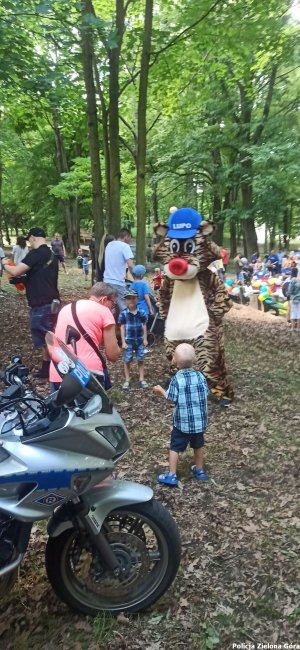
(102, 627)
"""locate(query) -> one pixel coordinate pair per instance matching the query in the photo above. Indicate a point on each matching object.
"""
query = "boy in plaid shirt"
(188, 393)
(133, 323)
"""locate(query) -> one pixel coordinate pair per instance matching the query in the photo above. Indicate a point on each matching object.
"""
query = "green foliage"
(208, 64)
(75, 183)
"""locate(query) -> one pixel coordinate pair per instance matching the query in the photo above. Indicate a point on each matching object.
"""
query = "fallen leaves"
(240, 529)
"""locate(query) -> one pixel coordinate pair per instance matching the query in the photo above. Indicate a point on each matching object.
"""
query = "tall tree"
(92, 118)
(142, 135)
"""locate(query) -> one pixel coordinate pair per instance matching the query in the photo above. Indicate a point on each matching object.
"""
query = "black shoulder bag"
(89, 340)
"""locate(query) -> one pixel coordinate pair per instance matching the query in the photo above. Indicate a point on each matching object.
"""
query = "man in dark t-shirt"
(40, 267)
(58, 248)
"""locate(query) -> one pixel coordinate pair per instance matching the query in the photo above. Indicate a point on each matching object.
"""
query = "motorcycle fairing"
(100, 501)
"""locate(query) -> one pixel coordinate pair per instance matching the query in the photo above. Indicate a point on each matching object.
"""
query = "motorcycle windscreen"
(67, 363)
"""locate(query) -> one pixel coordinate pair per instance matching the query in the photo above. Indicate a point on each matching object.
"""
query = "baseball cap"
(184, 223)
(36, 232)
(130, 293)
(138, 270)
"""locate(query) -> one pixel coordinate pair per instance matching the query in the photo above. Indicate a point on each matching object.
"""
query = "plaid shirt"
(133, 321)
(188, 389)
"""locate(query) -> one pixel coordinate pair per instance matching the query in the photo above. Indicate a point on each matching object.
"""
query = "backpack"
(286, 288)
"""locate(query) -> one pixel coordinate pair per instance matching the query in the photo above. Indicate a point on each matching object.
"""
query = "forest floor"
(240, 529)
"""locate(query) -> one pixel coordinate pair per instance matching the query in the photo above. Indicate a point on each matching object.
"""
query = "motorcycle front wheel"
(146, 542)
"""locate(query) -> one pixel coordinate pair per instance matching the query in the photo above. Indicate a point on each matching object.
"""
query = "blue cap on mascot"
(183, 223)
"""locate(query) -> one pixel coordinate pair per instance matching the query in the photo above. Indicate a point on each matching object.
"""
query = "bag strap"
(50, 261)
(86, 336)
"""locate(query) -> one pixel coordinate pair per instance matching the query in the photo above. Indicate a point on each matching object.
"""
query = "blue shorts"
(137, 348)
(61, 258)
(180, 440)
(41, 321)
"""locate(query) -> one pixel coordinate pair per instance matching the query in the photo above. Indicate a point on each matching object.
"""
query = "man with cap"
(40, 270)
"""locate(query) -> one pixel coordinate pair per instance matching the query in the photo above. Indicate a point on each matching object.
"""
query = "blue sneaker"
(168, 479)
(199, 473)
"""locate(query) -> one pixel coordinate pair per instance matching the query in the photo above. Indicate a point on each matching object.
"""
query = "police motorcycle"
(111, 546)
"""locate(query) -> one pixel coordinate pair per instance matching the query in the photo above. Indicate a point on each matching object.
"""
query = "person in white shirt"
(19, 250)
(118, 258)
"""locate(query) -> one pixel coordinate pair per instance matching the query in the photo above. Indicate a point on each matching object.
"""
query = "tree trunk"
(233, 238)
(87, 49)
(105, 136)
(216, 199)
(155, 202)
(249, 232)
(217, 218)
(72, 241)
(142, 136)
(6, 227)
(287, 226)
(190, 191)
(114, 142)
(1, 209)
(272, 235)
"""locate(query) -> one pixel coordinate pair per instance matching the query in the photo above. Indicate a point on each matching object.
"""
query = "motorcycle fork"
(87, 521)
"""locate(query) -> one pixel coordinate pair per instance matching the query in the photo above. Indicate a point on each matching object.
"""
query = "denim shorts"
(41, 321)
(180, 440)
(137, 348)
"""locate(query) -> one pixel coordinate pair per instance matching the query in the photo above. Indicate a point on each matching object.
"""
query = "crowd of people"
(113, 302)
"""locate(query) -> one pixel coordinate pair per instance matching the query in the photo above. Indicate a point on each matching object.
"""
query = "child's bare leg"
(126, 371)
(141, 370)
(199, 458)
(173, 459)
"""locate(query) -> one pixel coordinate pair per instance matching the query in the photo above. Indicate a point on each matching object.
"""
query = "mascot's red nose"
(178, 266)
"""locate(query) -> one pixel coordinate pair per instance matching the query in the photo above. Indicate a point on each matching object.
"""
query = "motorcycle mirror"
(15, 358)
(72, 334)
(69, 389)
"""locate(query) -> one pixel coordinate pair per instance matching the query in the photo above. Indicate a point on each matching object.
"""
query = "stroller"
(155, 325)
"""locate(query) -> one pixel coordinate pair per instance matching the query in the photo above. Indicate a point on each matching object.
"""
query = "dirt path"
(240, 529)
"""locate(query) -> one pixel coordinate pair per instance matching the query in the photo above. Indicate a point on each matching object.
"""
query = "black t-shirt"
(42, 277)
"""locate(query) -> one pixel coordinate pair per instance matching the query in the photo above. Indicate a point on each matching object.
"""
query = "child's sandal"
(168, 479)
(126, 385)
(199, 473)
(143, 384)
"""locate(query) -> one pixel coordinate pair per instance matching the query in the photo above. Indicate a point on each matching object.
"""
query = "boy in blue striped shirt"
(188, 393)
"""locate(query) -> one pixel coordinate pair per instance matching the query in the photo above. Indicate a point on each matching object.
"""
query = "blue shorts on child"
(180, 441)
(136, 347)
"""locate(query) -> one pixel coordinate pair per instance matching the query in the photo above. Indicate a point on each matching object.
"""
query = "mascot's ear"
(160, 229)
(207, 227)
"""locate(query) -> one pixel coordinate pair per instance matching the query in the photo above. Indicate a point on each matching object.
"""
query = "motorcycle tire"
(147, 573)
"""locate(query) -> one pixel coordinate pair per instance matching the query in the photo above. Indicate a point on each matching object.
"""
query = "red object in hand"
(20, 286)
(178, 266)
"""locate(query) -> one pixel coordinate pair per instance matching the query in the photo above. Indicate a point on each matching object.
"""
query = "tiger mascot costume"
(193, 300)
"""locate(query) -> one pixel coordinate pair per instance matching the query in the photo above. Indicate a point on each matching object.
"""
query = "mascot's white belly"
(187, 317)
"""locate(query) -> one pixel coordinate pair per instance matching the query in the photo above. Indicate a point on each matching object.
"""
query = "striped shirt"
(188, 389)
